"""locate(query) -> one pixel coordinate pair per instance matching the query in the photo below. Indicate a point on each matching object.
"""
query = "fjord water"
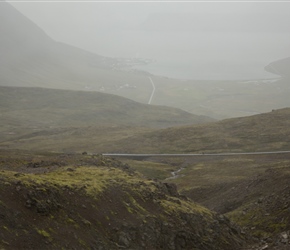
(200, 56)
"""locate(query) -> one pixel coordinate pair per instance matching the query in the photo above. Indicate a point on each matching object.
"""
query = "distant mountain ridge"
(31, 58)
(19, 35)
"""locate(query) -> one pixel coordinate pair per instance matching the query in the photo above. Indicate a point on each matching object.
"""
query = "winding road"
(153, 90)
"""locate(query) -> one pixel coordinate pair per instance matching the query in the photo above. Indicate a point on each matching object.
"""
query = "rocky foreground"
(92, 202)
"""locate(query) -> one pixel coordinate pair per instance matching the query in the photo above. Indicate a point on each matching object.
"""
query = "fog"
(197, 40)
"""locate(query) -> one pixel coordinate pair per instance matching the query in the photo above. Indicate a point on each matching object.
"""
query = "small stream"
(175, 174)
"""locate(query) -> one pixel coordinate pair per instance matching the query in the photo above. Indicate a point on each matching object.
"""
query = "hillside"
(32, 59)
(264, 132)
(62, 201)
(50, 107)
(63, 115)
(252, 190)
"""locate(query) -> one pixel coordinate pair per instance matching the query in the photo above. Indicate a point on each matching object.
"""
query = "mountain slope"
(82, 121)
(98, 203)
(74, 118)
(264, 132)
(30, 58)
(252, 190)
(51, 107)
(20, 36)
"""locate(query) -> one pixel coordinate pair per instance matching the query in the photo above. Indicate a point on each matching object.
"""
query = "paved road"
(153, 90)
(180, 155)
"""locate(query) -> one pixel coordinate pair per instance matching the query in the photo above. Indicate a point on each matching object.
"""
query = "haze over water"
(214, 41)
(207, 56)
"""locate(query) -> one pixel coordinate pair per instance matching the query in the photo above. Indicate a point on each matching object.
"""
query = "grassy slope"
(79, 108)
(251, 190)
(265, 132)
(62, 201)
(50, 115)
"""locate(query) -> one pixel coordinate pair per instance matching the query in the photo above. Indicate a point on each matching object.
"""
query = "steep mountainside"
(97, 203)
(30, 58)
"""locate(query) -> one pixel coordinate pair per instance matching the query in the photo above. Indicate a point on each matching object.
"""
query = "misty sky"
(186, 40)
